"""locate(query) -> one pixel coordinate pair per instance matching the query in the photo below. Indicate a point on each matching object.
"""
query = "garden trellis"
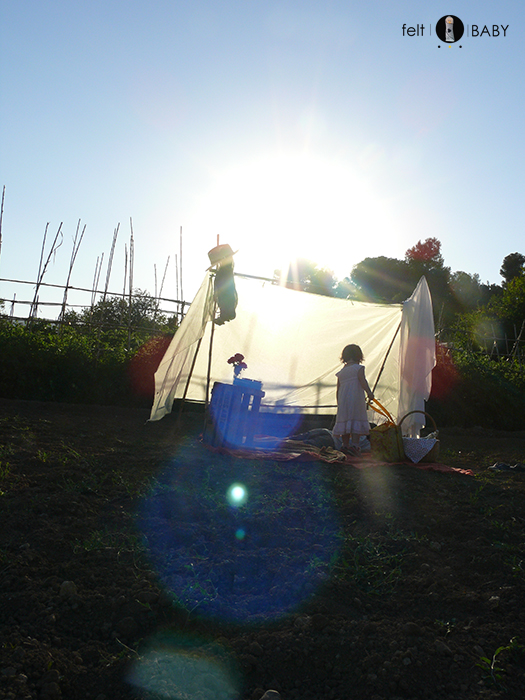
(172, 306)
(490, 341)
(43, 302)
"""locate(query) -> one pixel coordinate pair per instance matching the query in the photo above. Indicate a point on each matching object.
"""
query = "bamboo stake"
(71, 264)
(190, 373)
(515, 349)
(208, 374)
(180, 263)
(164, 277)
(386, 357)
(494, 342)
(156, 296)
(131, 258)
(210, 349)
(96, 278)
(178, 312)
(40, 262)
(108, 276)
(42, 270)
(125, 271)
(110, 261)
(2, 218)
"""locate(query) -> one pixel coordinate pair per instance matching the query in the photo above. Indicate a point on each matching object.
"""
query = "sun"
(282, 206)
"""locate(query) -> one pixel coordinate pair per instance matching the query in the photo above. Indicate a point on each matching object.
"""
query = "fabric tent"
(292, 342)
(417, 357)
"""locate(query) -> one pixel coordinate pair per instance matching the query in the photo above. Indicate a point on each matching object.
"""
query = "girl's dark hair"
(352, 353)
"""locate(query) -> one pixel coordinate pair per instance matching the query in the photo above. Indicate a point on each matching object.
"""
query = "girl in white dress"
(351, 421)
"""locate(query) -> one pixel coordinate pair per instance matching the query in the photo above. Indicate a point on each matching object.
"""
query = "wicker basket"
(386, 443)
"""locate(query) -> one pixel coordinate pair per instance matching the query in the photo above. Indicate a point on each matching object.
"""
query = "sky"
(286, 129)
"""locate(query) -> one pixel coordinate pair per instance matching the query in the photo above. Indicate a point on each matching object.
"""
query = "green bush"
(472, 389)
(44, 362)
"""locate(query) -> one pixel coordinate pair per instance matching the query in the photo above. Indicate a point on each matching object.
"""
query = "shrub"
(43, 362)
(474, 389)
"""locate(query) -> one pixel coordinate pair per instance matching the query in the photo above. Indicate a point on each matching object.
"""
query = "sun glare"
(280, 207)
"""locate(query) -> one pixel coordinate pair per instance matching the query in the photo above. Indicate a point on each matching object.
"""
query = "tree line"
(462, 303)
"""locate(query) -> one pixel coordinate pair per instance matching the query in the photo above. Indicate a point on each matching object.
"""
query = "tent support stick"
(210, 350)
(190, 374)
(385, 359)
(192, 367)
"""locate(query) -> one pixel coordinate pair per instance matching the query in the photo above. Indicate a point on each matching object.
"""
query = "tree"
(510, 306)
(490, 292)
(513, 266)
(306, 276)
(117, 312)
(467, 291)
(382, 279)
(425, 259)
(428, 252)
(345, 289)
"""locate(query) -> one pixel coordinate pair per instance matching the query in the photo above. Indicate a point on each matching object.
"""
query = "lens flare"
(177, 667)
(240, 540)
(237, 495)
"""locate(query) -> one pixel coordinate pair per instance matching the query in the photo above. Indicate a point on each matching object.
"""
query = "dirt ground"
(136, 563)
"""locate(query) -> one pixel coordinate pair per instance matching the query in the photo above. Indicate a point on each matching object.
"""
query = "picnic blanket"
(294, 451)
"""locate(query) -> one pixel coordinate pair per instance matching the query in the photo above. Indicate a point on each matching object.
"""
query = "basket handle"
(381, 410)
(424, 412)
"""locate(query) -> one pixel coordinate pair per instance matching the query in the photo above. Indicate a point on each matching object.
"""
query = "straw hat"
(220, 253)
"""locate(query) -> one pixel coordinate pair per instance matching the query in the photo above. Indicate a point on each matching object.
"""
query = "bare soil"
(125, 571)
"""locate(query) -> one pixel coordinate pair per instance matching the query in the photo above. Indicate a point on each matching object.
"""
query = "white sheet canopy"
(292, 342)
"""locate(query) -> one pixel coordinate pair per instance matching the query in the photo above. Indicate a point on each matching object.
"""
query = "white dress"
(351, 406)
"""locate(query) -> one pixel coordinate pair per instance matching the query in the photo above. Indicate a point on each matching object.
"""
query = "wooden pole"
(125, 271)
(164, 276)
(131, 259)
(71, 264)
(42, 270)
(180, 264)
(515, 349)
(190, 374)
(2, 217)
(385, 359)
(39, 268)
(110, 261)
(96, 278)
(192, 367)
(210, 352)
(177, 297)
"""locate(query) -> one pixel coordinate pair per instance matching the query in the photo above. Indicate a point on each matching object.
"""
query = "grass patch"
(371, 562)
